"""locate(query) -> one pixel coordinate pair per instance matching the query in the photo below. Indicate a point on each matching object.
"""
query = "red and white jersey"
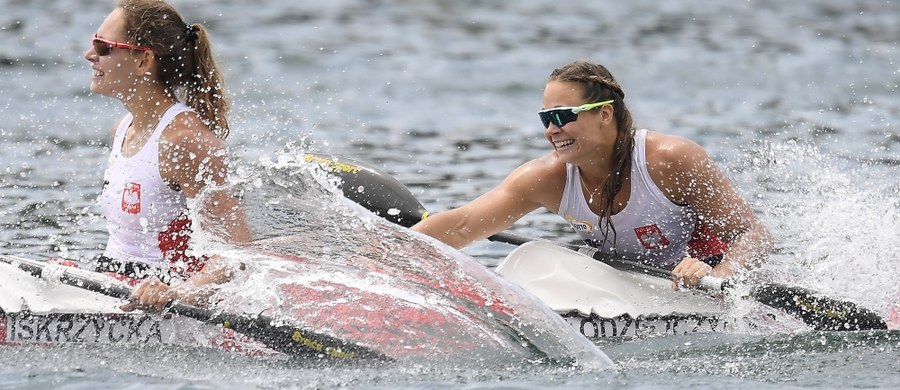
(650, 227)
(144, 215)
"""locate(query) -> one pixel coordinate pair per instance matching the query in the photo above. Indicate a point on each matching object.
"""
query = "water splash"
(836, 222)
(325, 262)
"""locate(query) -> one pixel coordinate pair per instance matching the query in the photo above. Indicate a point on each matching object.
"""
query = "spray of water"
(836, 222)
(325, 262)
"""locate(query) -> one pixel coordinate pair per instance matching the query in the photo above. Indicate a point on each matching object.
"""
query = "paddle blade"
(821, 313)
(298, 342)
(373, 189)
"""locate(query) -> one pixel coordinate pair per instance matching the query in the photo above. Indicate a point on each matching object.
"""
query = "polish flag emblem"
(131, 198)
(651, 237)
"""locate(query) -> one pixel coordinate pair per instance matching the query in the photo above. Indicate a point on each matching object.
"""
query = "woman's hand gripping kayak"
(154, 296)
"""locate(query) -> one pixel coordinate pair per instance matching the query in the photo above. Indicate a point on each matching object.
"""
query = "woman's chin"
(566, 153)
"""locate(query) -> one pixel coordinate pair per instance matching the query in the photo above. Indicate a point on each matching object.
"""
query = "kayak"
(599, 301)
(604, 302)
(596, 299)
(341, 308)
(36, 312)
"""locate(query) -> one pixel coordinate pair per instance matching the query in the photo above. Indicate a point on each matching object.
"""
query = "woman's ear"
(147, 62)
(607, 113)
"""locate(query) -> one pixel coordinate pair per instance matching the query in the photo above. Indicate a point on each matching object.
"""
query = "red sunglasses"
(103, 47)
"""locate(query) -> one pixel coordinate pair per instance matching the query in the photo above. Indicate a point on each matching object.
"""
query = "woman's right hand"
(152, 296)
(689, 272)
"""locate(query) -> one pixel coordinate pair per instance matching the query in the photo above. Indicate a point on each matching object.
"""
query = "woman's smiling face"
(115, 74)
(575, 138)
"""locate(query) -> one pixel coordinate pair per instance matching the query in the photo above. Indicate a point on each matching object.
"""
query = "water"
(797, 101)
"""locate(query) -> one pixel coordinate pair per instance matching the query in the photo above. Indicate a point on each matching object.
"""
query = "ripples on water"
(798, 101)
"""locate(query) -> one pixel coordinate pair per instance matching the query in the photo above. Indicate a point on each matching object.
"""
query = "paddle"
(385, 196)
(284, 338)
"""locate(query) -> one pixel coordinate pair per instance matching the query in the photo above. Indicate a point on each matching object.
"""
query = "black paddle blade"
(373, 189)
(820, 312)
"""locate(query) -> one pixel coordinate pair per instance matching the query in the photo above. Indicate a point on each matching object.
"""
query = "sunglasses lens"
(558, 117)
(545, 118)
(101, 48)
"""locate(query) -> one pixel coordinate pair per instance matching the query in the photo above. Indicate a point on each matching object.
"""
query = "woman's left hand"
(152, 296)
(688, 273)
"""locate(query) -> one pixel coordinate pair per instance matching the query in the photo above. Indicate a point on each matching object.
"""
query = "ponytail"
(205, 90)
(187, 68)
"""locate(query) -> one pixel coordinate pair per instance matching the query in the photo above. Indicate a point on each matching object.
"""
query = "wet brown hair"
(598, 84)
(184, 54)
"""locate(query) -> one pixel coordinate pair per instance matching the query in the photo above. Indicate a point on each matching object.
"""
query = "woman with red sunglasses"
(640, 194)
(168, 147)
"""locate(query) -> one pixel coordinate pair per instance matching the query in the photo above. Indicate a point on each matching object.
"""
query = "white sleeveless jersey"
(136, 201)
(650, 227)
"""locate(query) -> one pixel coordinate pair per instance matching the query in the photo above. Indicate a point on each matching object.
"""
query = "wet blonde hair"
(184, 54)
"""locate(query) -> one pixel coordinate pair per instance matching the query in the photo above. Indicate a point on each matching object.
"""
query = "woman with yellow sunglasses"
(636, 193)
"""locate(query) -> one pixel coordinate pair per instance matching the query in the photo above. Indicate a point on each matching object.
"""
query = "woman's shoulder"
(188, 131)
(115, 127)
(674, 161)
(670, 149)
(544, 177)
(545, 167)
(539, 181)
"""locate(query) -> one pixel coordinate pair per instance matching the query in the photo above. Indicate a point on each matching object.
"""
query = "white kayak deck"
(19, 291)
(569, 281)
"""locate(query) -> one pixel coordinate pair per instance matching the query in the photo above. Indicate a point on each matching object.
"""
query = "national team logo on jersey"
(651, 237)
(131, 198)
